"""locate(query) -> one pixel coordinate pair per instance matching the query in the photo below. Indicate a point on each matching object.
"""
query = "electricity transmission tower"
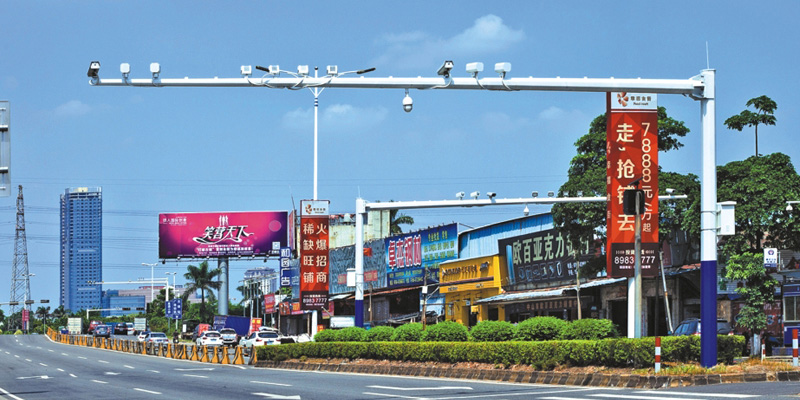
(20, 278)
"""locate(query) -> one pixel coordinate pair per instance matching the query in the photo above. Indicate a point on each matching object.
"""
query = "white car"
(209, 338)
(142, 336)
(260, 338)
(156, 337)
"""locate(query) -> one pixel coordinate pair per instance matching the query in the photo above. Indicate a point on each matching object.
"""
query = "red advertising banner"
(255, 324)
(632, 163)
(313, 245)
(269, 303)
(221, 234)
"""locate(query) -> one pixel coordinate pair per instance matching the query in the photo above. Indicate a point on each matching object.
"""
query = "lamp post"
(789, 204)
(151, 265)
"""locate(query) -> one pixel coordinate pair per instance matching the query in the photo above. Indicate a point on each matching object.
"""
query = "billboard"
(540, 259)
(313, 246)
(221, 234)
(408, 256)
(632, 163)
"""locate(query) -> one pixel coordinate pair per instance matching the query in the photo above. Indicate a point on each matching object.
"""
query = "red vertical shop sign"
(632, 163)
(314, 225)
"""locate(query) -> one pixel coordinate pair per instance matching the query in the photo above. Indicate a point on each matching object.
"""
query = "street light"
(152, 295)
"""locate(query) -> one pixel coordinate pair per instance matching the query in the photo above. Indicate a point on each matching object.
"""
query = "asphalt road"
(33, 367)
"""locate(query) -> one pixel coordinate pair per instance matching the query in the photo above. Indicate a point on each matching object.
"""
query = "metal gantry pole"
(708, 225)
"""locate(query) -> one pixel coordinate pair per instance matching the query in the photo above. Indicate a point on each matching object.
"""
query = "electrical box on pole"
(726, 218)
(5, 149)
(630, 199)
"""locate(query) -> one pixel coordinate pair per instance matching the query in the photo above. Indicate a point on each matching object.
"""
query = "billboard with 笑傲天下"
(221, 234)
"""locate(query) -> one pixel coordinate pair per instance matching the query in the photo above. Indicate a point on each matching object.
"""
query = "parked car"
(131, 328)
(142, 336)
(156, 337)
(691, 326)
(209, 338)
(120, 329)
(101, 331)
(229, 336)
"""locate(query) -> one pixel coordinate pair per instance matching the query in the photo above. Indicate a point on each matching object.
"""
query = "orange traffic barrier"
(195, 353)
(225, 356)
(205, 358)
(253, 356)
(237, 356)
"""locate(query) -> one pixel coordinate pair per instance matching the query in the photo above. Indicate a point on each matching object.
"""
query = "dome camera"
(408, 103)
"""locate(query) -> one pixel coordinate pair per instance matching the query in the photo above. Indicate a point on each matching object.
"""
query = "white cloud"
(417, 49)
(73, 108)
(336, 118)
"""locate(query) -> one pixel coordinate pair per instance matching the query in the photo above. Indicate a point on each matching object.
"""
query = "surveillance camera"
(670, 191)
(247, 70)
(474, 68)
(491, 194)
(94, 68)
(333, 70)
(444, 70)
(460, 195)
(408, 103)
(534, 194)
(155, 69)
(125, 68)
(302, 70)
(475, 194)
(550, 194)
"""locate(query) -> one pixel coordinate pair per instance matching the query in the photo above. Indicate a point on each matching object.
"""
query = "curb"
(540, 377)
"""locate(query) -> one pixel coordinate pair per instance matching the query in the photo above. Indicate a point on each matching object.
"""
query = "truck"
(239, 324)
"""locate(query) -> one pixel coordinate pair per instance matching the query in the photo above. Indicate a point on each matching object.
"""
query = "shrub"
(379, 334)
(408, 333)
(540, 328)
(588, 329)
(326, 335)
(447, 331)
(351, 334)
(493, 331)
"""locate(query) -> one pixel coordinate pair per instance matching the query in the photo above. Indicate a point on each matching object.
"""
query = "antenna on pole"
(708, 63)
(20, 278)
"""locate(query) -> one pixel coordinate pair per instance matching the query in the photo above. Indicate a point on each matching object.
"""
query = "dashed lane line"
(129, 367)
(60, 370)
(103, 361)
(728, 395)
(146, 391)
(96, 381)
(82, 358)
(9, 395)
(271, 383)
(196, 376)
(73, 375)
(43, 364)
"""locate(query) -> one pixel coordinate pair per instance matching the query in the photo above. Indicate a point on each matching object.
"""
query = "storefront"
(465, 282)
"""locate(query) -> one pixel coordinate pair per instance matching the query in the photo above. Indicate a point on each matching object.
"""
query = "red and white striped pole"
(794, 347)
(763, 349)
(658, 353)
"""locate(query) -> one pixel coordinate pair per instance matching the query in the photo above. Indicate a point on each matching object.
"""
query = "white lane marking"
(38, 347)
(43, 364)
(16, 356)
(271, 383)
(238, 366)
(129, 367)
(277, 396)
(392, 395)
(95, 380)
(153, 371)
(60, 370)
(503, 395)
(82, 357)
(28, 360)
(34, 377)
(194, 369)
(52, 351)
(64, 354)
(73, 375)
(196, 376)
(421, 388)
(733, 396)
(146, 391)
(112, 373)
(562, 398)
(8, 353)
(101, 361)
(5, 393)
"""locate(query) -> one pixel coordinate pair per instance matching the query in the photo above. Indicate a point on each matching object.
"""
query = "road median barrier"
(238, 359)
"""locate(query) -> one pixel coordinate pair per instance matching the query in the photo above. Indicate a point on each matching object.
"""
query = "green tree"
(760, 186)
(203, 279)
(583, 222)
(764, 115)
(758, 289)
(396, 219)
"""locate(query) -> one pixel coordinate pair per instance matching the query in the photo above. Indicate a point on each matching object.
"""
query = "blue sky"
(244, 149)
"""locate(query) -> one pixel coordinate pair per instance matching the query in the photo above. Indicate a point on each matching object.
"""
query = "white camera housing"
(474, 68)
(302, 70)
(460, 195)
(502, 68)
(155, 68)
(333, 70)
(475, 194)
(491, 194)
(444, 70)
(408, 103)
(247, 70)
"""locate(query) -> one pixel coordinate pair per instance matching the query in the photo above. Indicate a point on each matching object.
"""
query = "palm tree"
(201, 278)
(398, 219)
(765, 108)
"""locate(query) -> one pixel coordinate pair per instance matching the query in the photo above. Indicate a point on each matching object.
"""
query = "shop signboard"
(75, 326)
(221, 234)
(269, 303)
(255, 324)
(408, 256)
(285, 267)
(343, 259)
(632, 163)
(770, 258)
(313, 246)
(538, 259)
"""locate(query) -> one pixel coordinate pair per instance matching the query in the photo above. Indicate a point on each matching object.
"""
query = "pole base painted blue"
(359, 313)
(708, 313)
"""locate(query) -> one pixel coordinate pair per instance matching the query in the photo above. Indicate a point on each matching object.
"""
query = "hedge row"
(543, 355)
(537, 328)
